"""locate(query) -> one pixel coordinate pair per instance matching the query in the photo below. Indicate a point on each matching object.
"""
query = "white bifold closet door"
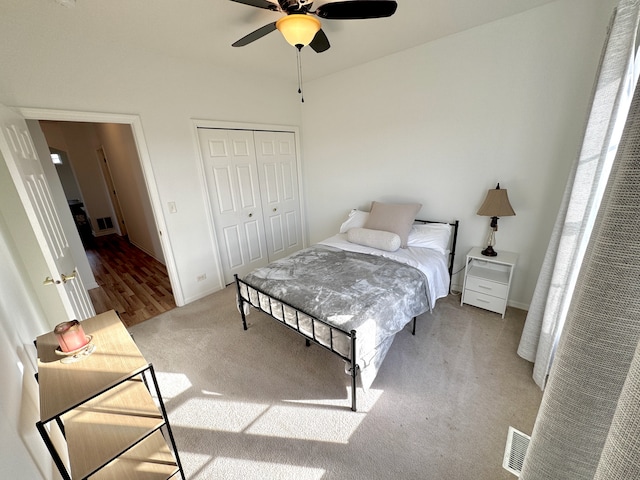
(252, 183)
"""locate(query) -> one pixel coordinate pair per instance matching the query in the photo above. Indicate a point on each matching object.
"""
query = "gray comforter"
(373, 295)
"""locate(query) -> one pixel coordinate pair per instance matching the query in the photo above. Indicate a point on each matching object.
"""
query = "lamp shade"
(496, 204)
(298, 29)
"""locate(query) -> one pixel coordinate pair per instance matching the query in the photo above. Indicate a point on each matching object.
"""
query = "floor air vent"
(515, 451)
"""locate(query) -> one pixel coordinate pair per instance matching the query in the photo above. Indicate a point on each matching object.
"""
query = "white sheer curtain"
(611, 99)
(588, 425)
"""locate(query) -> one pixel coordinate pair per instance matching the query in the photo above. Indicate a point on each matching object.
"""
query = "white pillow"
(356, 219)
(374, 238)
(430, 235)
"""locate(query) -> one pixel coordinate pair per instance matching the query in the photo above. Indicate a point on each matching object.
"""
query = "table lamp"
(495, 205)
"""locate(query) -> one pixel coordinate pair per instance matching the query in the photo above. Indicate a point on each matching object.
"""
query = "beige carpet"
(258, 404)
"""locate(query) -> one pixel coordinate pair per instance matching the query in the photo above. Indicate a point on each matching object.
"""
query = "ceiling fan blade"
(259, 3)
(255, 35)
(357, 9)
(320, 42)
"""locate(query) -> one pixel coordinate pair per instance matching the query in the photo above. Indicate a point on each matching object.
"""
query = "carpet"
(259, 404)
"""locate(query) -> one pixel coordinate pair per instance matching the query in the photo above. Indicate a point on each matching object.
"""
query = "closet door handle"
(275, 209)
(250, 215)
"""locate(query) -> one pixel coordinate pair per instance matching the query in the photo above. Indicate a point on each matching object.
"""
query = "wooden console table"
(103, 404)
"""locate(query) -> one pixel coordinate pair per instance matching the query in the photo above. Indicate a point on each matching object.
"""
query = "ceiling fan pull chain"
(298, 50)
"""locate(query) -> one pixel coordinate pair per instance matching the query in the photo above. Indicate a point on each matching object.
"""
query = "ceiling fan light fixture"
(298, 29)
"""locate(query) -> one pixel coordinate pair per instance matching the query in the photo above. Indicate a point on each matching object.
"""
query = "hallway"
(131, 282)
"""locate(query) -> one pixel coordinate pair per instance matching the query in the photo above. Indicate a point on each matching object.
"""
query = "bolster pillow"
(374, 238)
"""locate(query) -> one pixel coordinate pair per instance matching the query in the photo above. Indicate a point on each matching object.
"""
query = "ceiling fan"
(299, 25)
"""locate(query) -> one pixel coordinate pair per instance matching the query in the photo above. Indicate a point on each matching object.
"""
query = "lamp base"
(489, 252)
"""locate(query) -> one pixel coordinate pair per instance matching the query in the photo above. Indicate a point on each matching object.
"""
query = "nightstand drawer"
(487, 287)
(487, 302)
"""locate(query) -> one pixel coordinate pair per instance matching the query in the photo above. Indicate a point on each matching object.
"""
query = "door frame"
(225, 125)
(135, 123)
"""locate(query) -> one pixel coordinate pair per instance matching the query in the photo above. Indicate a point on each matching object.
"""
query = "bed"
(351, 293)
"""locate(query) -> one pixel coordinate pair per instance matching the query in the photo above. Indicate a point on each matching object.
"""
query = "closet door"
(234, 194)
(278, 177)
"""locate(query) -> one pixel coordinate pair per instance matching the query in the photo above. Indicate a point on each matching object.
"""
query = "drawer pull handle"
(485, 287)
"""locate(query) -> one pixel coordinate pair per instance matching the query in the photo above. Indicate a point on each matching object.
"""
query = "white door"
(278, 176)
(28, 176)
(234, 194)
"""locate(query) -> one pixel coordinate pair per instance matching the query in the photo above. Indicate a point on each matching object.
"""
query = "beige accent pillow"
(374, 238)
(394, 218)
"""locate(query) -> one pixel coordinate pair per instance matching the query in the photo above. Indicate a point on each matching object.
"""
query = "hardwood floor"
(131, 282)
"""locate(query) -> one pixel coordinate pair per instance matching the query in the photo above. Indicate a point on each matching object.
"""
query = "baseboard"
(200, 295)
(520, 305)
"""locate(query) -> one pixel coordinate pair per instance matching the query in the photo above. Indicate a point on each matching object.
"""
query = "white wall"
(65, 174)
(124, 165)
(166, 93)
(444, 122)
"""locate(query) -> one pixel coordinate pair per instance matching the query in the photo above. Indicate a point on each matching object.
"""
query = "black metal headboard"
(454, 240)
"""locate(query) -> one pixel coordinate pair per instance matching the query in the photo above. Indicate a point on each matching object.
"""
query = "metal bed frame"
(308, 326)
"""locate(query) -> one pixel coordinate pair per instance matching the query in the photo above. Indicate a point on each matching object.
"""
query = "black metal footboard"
(339, 342)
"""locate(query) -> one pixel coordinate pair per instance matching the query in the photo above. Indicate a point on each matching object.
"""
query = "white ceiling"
(203, 30)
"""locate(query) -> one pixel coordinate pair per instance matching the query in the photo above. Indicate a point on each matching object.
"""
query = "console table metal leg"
(52, 450)
(166, 419)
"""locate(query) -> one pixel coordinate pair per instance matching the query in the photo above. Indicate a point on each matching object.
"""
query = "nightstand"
(487, 280)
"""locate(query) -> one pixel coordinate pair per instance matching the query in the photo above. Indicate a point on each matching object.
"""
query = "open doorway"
(100, 171)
